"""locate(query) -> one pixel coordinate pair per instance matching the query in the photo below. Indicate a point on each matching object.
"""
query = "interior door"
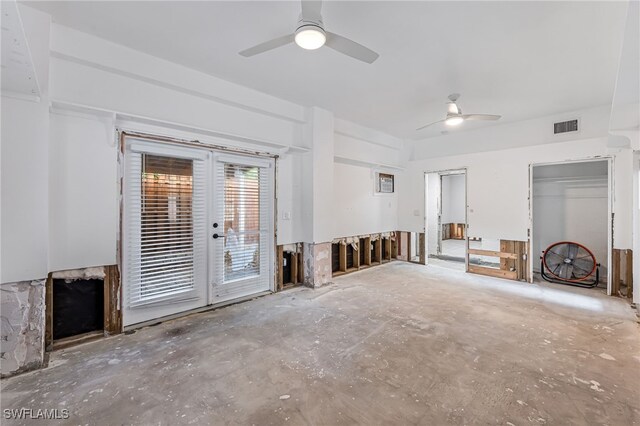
(242, 227)
(164, 230)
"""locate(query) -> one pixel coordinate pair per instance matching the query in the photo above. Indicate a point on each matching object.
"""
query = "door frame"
(445, 172)
(610, 212)
(157, 135)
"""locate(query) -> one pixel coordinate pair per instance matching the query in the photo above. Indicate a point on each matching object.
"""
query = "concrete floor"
(395, 344)
(454, 248)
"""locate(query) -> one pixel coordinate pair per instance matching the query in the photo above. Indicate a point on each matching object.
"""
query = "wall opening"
(416, 247)
(362, 252)
(351, 253)
(446, 218)
(335, 257)
(78, 307)
(82, 305)
(286, 267)
(570, 202)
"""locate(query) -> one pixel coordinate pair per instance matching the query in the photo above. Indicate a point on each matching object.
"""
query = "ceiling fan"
(455, 116)
(310, 34)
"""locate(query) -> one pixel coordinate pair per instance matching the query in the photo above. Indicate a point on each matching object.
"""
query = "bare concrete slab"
(395, 344)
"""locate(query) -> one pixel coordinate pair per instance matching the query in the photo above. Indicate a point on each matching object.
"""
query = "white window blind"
(241, 221)
(166, 221)
(243, 194)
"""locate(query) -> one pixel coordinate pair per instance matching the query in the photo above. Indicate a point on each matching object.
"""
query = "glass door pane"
(243, 222)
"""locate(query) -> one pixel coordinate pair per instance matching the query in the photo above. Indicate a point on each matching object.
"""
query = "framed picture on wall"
(385, 183)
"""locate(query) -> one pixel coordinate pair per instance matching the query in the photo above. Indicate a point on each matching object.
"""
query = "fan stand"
(584, 283)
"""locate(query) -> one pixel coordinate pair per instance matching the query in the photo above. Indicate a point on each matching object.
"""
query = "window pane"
(166, 247)
(241, 222)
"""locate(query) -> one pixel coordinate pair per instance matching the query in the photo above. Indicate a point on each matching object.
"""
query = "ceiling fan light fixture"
(310, 37)
(453, 121)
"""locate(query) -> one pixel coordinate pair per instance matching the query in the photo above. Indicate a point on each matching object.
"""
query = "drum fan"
(566, 262)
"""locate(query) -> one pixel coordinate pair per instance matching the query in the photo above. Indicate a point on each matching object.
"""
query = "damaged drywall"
(94, 273)
(317, 264)
(22, 324)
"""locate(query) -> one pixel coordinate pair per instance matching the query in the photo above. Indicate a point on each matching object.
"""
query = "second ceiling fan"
(455, 115)
(310, 34)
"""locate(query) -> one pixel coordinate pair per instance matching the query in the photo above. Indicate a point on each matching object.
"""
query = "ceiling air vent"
(565, 126)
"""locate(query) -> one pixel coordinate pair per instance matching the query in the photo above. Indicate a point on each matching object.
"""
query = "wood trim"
(356, 255)
(77, 340)
(294, 268)
(297, 268)
(112, 297)
(280, 271)
(367, 251)
(507, 246)
(394, 246)
(622, 264)
(343, 258)
(513, 260)
(492, 272)
(301, 265)
(493, 253)
(522, 261)
(615, 276)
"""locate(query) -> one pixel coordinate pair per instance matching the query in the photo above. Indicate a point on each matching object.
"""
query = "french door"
(242, 240)
(197, 228)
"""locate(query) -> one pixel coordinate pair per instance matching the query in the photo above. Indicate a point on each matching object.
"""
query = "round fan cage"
(570, 262)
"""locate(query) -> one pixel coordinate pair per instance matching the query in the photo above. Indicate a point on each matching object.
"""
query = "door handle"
(216, 236)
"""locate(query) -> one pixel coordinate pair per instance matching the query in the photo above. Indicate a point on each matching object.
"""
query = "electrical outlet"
(286, 215)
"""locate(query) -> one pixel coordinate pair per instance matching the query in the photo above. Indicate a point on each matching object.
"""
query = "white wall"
(24, 157)
(453, 199)
(155, 96)
(360, 153)
(571, 208)
(498, 182)
(92, 72)
(97, 85)
(322, 147)
(83, 178)
(24, 190)
(356, 208)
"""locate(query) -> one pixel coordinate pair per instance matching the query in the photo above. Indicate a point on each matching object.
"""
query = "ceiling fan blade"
(268, 45)
(350, 48)
(430, 124)
(483, 117)
(311, 10)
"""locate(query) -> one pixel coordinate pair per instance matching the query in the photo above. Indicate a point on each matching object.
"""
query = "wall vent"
(565, 126)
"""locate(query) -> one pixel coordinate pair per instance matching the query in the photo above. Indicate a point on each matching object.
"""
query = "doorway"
(197, 228)
(446, 218)
(571, 206)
